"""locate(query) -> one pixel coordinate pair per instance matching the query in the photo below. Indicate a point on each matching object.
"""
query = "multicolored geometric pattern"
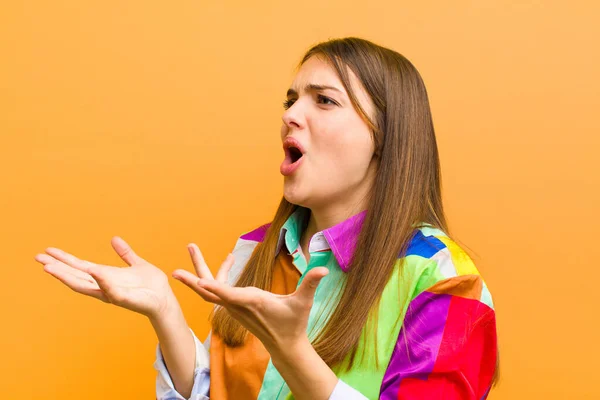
(446, 347)
(436, 330)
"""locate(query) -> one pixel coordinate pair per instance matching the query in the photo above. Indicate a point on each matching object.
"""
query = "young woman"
(354, 290)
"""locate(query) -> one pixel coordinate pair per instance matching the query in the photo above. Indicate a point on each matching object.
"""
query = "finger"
(71, 260)
(125, 251)
(114, 284)
(103, 279)
(208, 296)
(200, 266)
(78, 285)
(309, 284)
(47, 260)
(191, 281)
(184, 276)
(225, 268)
(226, 293)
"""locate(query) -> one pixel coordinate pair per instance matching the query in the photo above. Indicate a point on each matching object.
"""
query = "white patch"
(486, 296)
(242, 251)
(444, 263)
(431, 231)
(318, 243)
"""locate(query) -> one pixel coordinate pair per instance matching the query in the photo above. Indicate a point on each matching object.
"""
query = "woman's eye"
(320, 99)
(327, 99)
(287, 104)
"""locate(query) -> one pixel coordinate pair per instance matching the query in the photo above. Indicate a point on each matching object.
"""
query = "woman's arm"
(304, 371)
(309, 377)
(165, 389)
(182, 360)
(177, 346)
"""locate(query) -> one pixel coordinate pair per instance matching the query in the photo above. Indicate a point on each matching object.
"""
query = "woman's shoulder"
(436, 263)
(243, 249)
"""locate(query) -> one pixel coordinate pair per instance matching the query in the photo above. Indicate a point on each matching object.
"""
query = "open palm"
(274, 319)
(141, 287)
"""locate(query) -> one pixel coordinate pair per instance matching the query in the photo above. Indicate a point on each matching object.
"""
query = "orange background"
(159, 122)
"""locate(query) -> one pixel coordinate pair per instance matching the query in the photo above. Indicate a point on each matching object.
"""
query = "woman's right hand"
(141, 287)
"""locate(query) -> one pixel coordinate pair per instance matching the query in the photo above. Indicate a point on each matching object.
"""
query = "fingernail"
(191, 250)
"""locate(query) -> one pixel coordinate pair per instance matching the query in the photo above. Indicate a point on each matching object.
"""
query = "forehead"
(316, 70)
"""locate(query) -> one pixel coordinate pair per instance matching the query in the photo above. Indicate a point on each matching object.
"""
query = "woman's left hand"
(278, 321)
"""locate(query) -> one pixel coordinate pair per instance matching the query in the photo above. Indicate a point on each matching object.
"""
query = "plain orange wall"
(159, 122)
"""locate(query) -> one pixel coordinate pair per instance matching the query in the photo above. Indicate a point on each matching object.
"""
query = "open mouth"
(295, 154)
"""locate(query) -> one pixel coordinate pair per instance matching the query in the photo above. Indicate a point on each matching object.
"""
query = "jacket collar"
(340, 239)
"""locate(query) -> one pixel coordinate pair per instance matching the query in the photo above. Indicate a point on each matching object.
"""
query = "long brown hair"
(406, 191)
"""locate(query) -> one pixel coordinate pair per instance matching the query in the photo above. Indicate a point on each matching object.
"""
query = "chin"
(293, 195)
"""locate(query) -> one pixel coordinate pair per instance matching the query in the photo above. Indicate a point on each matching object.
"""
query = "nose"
(292, 117)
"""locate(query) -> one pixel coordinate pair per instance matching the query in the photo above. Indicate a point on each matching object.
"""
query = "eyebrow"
(313, 87)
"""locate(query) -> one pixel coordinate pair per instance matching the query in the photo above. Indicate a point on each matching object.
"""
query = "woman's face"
(337, 164)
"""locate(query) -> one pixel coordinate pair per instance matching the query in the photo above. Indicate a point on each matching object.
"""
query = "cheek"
(343, 146)
(346, 155)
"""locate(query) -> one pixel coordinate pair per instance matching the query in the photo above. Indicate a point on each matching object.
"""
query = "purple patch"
(257, 235)
(343, 237)
(418, 342)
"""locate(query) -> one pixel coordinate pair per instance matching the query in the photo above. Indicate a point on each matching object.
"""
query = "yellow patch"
(461, 260)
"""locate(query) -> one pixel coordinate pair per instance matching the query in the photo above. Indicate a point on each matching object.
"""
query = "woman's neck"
(319, 221)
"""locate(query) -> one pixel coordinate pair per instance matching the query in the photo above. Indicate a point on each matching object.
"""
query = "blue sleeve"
(165, 389)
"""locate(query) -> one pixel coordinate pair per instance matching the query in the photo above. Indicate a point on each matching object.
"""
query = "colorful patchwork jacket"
(436, 327)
